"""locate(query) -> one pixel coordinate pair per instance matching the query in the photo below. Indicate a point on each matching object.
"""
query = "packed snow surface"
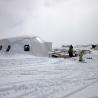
(26, 76)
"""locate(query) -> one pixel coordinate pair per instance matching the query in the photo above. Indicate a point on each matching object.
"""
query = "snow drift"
(41, 77)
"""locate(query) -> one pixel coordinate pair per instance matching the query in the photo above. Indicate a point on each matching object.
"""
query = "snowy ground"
(36, 77)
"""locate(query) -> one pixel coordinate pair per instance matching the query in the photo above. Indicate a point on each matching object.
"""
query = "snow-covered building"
(25, 45)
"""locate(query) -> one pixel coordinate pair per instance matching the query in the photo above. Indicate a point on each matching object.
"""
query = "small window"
(8, 48)
(26, 48)
(0, 47)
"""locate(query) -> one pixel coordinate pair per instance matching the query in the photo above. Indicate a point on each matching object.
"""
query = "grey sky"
(59, 21)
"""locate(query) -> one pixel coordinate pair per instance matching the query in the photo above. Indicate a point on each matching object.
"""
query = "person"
(70, 51)
(81, 56)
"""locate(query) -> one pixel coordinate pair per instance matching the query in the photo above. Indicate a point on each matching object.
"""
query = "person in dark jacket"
(70, 51)
(81, 56)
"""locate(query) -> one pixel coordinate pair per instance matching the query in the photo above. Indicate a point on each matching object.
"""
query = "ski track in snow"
(36, 77)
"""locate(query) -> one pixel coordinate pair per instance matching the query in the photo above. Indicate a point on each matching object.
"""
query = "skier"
(81, 56)
(70, 51)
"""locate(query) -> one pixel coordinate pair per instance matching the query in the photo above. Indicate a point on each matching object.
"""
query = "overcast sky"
(58, 21)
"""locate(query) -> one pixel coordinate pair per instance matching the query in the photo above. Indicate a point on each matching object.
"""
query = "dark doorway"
(26, 48)
(0, 47)
(8, 48)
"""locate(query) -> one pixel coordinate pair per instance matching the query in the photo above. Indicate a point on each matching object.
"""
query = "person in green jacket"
(70, 51)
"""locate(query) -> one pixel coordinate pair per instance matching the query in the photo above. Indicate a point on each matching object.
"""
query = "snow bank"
(42, 77)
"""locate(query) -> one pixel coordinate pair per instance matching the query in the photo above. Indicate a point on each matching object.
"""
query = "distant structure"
(25, 45)
(95, 47)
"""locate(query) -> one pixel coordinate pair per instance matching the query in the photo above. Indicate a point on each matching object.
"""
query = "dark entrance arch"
(8, 48)
(26, 47)
(0, 47)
